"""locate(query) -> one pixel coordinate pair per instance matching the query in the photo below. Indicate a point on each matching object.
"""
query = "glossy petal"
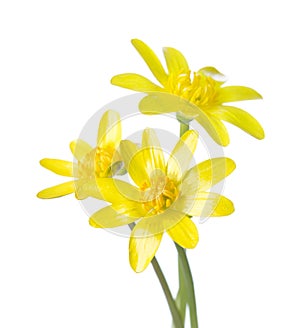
(182, 155)
(151, 60)
(155, 156)
(85, 188)
(203, 176)
(107, 217)
(175, 60)
(80, 148)
(142, 249)
(185, 233)
(57, 191)
(110, 130)
(143, 165)
(213, 73)
(237, 93)
(135, 82)
(59, 166)
(214, 127)
(127, 150)
(204, 204)
(159, 223)
(160, 103)
(240, 118)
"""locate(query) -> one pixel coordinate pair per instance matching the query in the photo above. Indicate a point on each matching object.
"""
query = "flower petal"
(143, 166)
(110, 130)
(182, 155)
(125, 198)
(159, 223)
(135, 82)
(160, 103)
(155, 156)
(203, 176)
(142, 249)
(212, 72)
(204, 204)
(127, 150)
(185, 233)
(240, 118)
(87, 188)
(237, 93)
(175, 60)
(107, 217)
(57, 191)
(214, 127)
(59, 166)
(80, 148)
(108, 189)
(151, 60)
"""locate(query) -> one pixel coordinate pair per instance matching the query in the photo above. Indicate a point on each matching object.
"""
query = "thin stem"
(186, 292)
(173, 308)
(177, 321)
(189, 284)
(181, 297)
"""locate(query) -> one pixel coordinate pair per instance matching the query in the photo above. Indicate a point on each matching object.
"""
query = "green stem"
(177, 321)
(186, 292)
(189, 285)
(181, 297)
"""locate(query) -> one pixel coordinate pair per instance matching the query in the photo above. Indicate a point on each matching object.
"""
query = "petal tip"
(230, 164)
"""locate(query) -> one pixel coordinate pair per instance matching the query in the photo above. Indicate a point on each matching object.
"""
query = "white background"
(57, 58)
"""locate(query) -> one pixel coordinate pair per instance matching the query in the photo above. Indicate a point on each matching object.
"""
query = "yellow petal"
(159, 103)
(143, 166)
(182, 155)
(237, 93)
(214, 127)
(212, 72)
(134, 82)
(158, 223)
(107, 217)
(240, 118)
(80, 148)
(110, 130)
(58, 166)
(204, 204)
(57, 191)
(142, 249)
(151, 60)
(175, 60)
(87, 188)
(185, 233)
(155, 157)
(203, 176)
(127, 150)
(136, 163)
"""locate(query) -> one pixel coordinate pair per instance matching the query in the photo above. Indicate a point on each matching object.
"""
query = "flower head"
(204, 89)
(164, 197)
(98, 162)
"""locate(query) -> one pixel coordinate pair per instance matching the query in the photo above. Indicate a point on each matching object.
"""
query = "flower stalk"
(177, 320)
(186, 292)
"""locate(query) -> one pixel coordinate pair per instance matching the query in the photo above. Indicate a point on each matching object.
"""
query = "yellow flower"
(99, 162)
(204, 89)
(165, 195)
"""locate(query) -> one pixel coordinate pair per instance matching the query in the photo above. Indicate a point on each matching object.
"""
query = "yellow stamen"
(201, 91)
(161, 194)
(97, 163)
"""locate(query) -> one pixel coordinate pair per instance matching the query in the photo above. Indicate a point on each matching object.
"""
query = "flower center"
(160, 195)
(201, 90)
(97, 163)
